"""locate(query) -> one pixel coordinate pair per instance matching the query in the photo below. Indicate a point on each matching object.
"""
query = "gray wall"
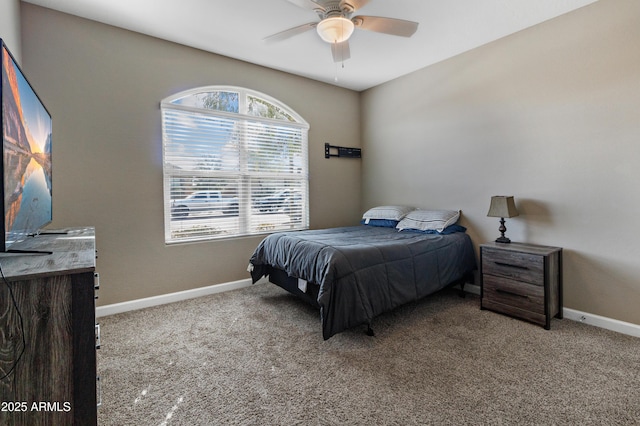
(10, 27)
(103, 86)
(549, 115)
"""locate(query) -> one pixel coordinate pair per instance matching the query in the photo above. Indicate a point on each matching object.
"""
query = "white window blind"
(235, 163)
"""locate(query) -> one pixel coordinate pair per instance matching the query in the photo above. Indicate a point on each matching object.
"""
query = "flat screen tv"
(26, 156)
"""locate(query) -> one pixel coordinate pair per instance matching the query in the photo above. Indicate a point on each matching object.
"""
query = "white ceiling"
(236, 28)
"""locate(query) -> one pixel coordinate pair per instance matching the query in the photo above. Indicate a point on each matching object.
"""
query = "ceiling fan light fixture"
(335, 29)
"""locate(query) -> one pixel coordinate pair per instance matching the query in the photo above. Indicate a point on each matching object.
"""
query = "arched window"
(235, 163)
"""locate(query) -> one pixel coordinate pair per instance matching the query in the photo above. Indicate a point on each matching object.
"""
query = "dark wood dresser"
(522, 280)
(50, 312)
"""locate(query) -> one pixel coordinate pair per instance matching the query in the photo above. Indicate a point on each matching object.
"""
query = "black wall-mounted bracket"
(340, 151)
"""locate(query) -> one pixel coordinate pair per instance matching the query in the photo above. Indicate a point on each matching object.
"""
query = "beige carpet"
(255, 356)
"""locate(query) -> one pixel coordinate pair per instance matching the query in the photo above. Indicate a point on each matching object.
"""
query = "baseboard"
(116, 308)
(602, 322)
(132, 305)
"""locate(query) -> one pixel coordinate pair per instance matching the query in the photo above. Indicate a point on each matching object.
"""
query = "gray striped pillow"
(387, 212)
(427, 220)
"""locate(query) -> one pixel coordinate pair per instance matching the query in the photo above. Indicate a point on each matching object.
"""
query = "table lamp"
(502, 206)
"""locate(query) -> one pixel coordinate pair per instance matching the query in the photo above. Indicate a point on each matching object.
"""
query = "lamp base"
(502, 229)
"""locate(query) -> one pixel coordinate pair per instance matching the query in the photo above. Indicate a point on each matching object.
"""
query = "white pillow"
(387, 212)
(427, 220)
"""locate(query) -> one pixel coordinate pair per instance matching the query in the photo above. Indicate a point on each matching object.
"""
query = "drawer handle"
(98, 391)
(510, 293)
(508, 265)
(98, 344)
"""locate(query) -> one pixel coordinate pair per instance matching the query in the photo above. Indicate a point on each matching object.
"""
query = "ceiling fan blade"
(340, 51)
(283, 35)
(352, 5)
(398, 27)
(308, 4)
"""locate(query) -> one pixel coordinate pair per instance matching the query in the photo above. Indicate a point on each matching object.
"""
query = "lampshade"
(502, 206)
(335, 29)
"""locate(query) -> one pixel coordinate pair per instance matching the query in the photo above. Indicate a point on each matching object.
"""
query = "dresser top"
(522, 248)
(63, 251)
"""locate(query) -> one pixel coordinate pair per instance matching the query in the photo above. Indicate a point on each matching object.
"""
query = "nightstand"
(522, 280)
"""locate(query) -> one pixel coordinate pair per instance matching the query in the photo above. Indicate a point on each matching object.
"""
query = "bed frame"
(282, 279)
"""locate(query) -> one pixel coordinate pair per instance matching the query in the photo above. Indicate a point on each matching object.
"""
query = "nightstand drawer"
(516, 312)
(513, 293)
(515, 265)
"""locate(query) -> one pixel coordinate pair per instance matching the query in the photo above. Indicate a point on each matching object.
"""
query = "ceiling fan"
(336, 24)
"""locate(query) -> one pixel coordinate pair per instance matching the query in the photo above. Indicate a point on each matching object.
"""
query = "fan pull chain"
(341, 50)
(335, 47)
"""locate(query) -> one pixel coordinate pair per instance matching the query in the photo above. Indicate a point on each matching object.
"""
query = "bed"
(355, 273)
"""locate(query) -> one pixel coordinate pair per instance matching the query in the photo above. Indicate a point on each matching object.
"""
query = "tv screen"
(26, 156)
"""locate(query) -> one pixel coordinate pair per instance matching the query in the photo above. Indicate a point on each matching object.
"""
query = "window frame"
(245, 200)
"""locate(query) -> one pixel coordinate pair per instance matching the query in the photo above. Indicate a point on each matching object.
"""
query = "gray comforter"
(364, 271)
